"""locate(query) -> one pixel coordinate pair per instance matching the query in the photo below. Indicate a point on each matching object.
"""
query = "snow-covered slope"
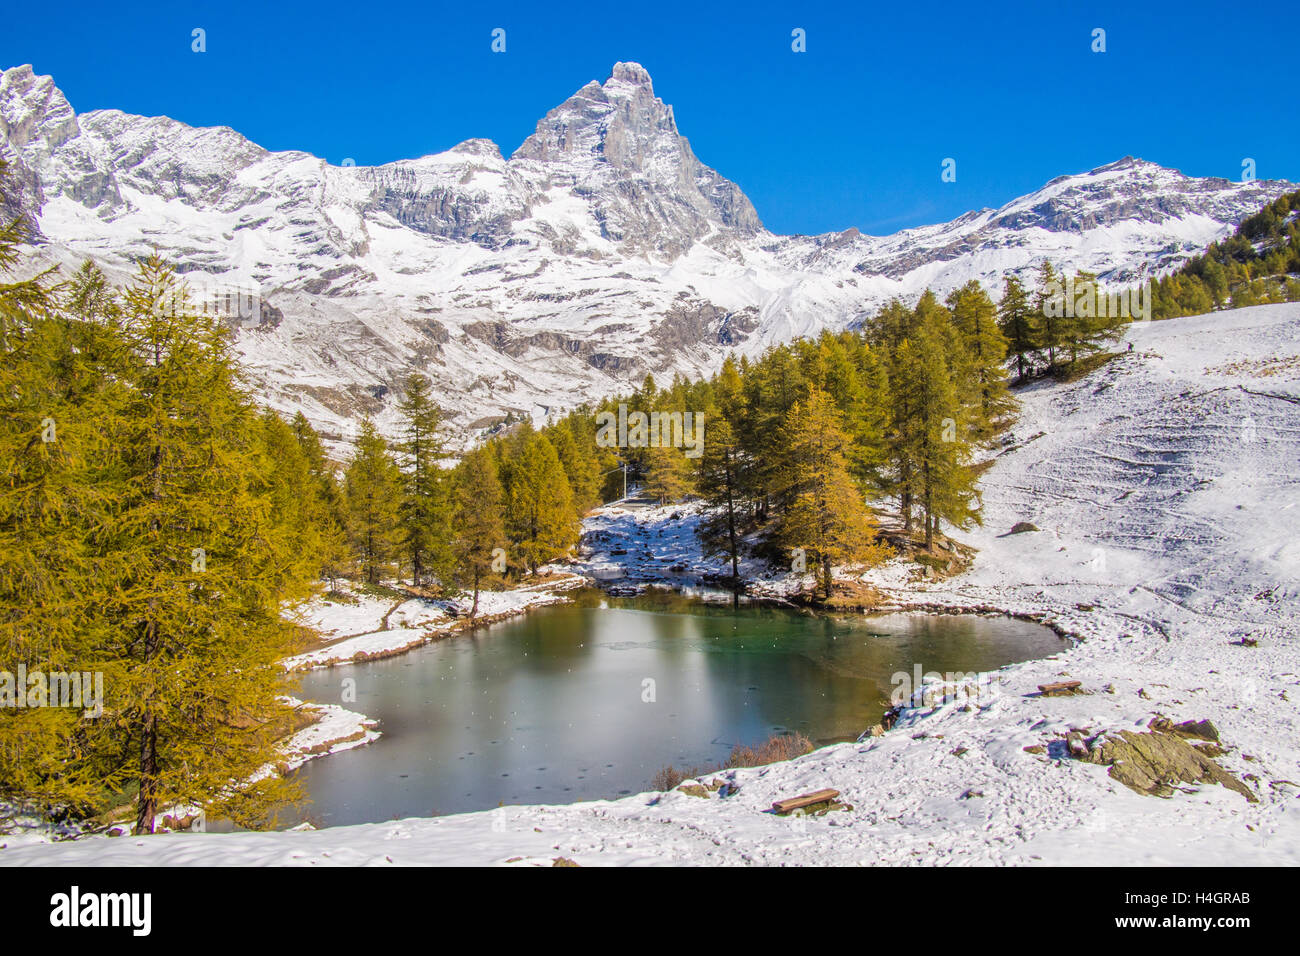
(1165, 487)
(600, 250)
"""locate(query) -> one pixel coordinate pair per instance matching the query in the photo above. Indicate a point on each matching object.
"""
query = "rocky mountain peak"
(633, 74)
(478, 147)
(35, 116)
(620, 122)
(618, 144)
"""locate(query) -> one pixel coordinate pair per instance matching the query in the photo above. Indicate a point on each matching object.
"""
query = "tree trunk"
(731, 534)
(147, 802)
(147, 799)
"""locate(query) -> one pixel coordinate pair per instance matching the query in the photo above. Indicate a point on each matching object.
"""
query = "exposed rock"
(1152, 763)
(1020, 527)
(1201, 729)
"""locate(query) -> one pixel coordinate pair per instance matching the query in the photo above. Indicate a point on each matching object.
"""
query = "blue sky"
(851, 133)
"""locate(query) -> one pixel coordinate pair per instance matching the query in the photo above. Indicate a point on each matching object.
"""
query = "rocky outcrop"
(1155, 762)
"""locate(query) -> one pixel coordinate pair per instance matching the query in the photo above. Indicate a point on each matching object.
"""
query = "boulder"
(1151, 763)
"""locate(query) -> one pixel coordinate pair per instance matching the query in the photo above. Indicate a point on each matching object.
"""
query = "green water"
(555, 707)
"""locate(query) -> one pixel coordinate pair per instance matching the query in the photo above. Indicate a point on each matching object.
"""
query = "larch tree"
(1049, 309)
(575, 444)
(667, 476)
(825, 515)
(196, 568)
(724, 475)
(324, 500)
(426, 505)
(59, 467)
(936, 447)
(1019, 325)
(979, 361)
(540, 518)
(479, 528)
(372, 492)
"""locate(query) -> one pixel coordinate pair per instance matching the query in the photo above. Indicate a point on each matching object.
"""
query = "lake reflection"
(553, 707)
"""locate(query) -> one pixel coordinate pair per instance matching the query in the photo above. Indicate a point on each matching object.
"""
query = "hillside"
(1163, 487)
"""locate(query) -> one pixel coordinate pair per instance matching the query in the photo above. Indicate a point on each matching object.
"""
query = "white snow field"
(1165, 487)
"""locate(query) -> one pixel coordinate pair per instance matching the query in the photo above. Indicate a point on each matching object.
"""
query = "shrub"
(775, 749)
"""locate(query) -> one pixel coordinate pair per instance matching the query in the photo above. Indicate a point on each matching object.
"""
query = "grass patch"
(1083, 366)
(773, 750)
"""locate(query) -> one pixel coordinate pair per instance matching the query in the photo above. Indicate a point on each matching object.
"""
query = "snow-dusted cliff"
(600, 250)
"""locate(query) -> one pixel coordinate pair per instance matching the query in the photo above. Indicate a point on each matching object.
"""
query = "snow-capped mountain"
(600, 250)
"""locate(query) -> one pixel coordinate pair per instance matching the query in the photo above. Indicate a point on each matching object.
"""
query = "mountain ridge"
(602, 249)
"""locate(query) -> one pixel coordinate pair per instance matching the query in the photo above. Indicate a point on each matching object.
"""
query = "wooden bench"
(804, 801)
(1061, 689)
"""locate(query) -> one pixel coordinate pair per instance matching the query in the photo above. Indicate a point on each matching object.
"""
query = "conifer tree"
(1049, 309)
(824, 514)
(58, 466)
(936, 447)
(978, 362)
(196, 567)
(287, 484)
(724, 475)
(667, 474)
(479, 529)
(540, 519)
(772, 388)
(1019, 325)
(426, 505)
(575, 444)
(324, 500)
(372, 492)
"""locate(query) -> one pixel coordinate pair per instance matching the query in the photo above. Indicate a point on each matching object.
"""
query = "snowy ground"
(1165, 488)
(363, 626)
